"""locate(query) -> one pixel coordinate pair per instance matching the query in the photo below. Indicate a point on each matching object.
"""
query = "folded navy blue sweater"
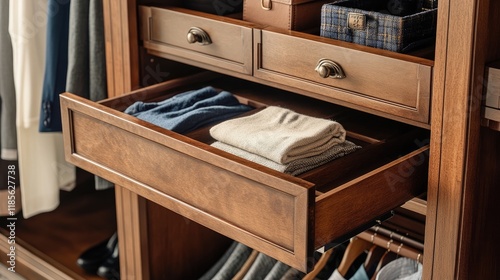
(189, 110)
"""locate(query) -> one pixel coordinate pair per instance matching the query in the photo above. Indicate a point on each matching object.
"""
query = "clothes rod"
(394, 245)
(397, 236)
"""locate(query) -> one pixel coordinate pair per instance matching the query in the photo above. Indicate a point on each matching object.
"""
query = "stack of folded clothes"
(190, 110)
(283, 140)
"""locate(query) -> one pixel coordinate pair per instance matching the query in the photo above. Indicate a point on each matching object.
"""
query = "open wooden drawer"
(280, 215)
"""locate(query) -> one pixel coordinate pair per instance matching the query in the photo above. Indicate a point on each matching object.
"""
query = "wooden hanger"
(246, 266)
(392, 248)
(373, 258)
(319, 265)
(356, 247)
(386, 258)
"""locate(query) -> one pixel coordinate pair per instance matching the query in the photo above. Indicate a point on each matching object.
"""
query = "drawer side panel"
(381, 190)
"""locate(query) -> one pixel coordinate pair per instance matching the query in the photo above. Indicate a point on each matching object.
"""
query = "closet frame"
(463, 155)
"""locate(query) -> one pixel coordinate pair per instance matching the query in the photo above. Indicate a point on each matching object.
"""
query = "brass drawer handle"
(266, 4)
(328, 68)
(198, 35)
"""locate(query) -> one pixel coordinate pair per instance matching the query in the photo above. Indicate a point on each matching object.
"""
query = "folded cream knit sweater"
(280, 135)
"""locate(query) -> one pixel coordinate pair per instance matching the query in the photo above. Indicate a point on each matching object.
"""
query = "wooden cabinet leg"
(132, 234)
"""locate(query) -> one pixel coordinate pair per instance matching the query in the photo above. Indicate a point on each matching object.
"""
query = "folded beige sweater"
(280, 135)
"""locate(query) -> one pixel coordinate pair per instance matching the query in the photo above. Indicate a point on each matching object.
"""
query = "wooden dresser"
(180, 202)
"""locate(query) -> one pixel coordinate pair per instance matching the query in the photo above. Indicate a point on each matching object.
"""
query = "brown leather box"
(287, 14)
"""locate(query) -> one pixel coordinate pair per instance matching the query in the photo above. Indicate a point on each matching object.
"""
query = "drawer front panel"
(268, 218)
(380, 83)
(228, 45)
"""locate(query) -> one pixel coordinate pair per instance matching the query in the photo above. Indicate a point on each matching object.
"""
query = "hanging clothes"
(97, 52)
(360, 274)
(401, 269)
(345, 261)
(246, 265)
(331, 264)
(293, 274)
(233, 264)
(7, 90)
(78, 81)
(56, 65)
(336, 276)
(218, 265)
(8, 139)
(43, 170)
(260, 268)
(86, 75)
(279, 269)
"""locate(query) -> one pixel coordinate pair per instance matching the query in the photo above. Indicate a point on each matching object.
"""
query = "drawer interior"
(382, 140)
(308, 211)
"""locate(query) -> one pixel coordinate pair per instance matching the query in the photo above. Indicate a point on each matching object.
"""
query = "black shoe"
(92, 258)
(110, 269)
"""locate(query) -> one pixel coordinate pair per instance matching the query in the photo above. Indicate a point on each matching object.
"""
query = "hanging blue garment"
(360, 274)
(56, 65)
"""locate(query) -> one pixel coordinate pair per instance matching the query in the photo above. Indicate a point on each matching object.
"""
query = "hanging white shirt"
(42, 168)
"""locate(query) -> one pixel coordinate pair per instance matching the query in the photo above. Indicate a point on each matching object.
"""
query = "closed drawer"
(381, 82)
(493, 85)
(491, 110)
(204, 40)
(284, 216)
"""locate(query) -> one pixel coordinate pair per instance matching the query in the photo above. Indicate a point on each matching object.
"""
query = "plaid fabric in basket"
(381, 30)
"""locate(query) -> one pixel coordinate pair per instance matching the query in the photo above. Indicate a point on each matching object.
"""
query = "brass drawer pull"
(266, 4)
(328, 68)
(198, 35)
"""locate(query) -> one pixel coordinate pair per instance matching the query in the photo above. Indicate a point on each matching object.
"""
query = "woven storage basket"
(360, 22)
